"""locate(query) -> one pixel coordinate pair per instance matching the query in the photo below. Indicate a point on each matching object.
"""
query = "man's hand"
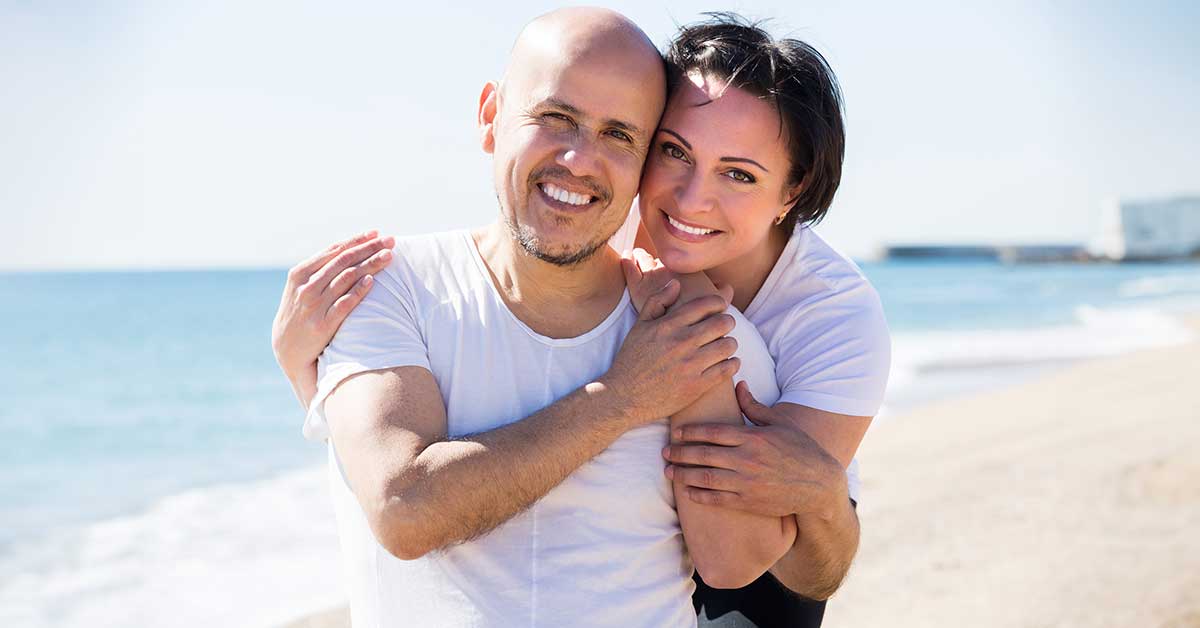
(772, 468)
(319, 294)
(668, 360)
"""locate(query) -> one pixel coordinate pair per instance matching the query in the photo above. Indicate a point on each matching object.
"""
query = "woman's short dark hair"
(794, 78)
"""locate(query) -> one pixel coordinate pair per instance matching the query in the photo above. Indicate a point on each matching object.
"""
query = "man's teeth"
(687, 229)
(564, 196)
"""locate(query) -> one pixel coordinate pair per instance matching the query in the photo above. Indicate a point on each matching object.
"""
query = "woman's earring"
(779, 220)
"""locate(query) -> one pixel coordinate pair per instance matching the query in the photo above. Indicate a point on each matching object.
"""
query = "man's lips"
(559, 194)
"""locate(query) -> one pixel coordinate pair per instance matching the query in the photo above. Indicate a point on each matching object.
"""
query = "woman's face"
(716, 176)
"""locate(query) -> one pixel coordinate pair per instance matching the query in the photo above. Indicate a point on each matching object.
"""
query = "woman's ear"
(487, 116)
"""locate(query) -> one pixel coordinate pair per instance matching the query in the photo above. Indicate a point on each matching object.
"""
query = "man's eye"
(673, 151)
(556, 116)
(740, 175)
(621, 135)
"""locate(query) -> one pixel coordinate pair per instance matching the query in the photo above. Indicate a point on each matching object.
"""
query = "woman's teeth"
(564, 196)
(688, 229)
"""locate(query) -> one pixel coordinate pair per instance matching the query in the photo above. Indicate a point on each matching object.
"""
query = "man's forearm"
(458, 489)
(817, 563)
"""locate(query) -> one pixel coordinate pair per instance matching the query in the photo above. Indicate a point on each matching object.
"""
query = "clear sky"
(191, 134)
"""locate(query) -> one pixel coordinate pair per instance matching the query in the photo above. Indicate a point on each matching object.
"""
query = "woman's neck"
(748, 273)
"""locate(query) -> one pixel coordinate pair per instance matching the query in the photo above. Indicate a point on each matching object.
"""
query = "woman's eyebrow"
(740, 160)
(745, 160)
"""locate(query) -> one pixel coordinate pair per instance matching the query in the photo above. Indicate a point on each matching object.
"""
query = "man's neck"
(555, 301)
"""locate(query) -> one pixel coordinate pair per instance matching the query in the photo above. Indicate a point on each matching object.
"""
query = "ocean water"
(152, 471)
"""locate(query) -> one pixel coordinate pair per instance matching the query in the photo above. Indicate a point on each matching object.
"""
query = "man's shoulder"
(433, 249)
(431, 267)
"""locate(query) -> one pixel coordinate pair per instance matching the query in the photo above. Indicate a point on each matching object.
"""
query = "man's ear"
(487, 116)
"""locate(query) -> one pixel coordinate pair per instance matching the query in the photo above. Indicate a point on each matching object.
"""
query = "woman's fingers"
(302, 271)
(320, 282)
(349, 277)
(346, 303)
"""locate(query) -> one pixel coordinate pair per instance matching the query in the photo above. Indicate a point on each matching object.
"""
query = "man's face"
(569, 139)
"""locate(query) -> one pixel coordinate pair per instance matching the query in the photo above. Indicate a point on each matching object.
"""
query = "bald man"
(494, 407)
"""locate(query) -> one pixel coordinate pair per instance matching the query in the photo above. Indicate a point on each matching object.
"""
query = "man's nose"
(581, 158)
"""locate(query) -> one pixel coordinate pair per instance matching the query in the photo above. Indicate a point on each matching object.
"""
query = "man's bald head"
(566, 36)
(569, 127)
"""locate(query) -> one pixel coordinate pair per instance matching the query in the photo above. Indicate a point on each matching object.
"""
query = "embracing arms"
(421, 490)
(729, 548)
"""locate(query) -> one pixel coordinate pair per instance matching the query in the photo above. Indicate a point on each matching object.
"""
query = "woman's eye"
(673, 151)
(740, 175)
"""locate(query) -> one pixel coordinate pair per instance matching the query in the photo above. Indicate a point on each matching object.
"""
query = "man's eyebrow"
(739, 160)
(566, 107)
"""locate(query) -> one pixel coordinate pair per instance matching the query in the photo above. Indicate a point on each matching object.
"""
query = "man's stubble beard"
(528, 240)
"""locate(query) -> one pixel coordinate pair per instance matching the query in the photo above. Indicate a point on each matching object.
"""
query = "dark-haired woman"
(747, 156)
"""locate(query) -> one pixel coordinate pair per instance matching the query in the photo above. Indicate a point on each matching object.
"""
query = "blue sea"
(152, 471)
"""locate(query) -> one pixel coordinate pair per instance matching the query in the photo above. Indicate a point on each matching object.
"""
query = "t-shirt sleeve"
(835, 355)
(383, 332)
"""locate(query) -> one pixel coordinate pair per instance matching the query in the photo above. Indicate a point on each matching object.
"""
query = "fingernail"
(666, 452)
(670, 471)
(677, 434)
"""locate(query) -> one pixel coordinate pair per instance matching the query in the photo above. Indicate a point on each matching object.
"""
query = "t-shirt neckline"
(486, 276)
(781, 264)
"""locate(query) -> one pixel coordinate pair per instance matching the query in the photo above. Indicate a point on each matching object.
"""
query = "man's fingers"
(657, 304)
(711, 329)
(346, 303)
(703, 477)
(757, 413)
(714, 433)
(722, 371)
(322, 279)
(699, 309)
(314, 263)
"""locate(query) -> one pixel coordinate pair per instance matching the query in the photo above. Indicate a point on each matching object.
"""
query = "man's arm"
(793, 462)
(422, 491)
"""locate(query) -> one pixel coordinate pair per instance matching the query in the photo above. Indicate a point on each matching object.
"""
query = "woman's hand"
(319, 294)
(771, 468)
(645, 276)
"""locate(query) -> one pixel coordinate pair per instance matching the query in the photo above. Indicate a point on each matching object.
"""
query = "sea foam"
(255, 554)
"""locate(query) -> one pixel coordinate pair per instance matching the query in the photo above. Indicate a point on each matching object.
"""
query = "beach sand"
(1073, 500)
(1070, 501)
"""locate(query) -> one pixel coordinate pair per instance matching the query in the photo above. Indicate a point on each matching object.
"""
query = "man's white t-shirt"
(603, 548)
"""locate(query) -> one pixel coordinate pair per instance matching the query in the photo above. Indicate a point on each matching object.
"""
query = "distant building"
(1149, 230)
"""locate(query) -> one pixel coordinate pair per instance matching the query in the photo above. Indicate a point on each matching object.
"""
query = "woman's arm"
(729, 548)
(319, 294)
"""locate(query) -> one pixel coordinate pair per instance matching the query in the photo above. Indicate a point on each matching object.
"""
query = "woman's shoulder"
(813, 277)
